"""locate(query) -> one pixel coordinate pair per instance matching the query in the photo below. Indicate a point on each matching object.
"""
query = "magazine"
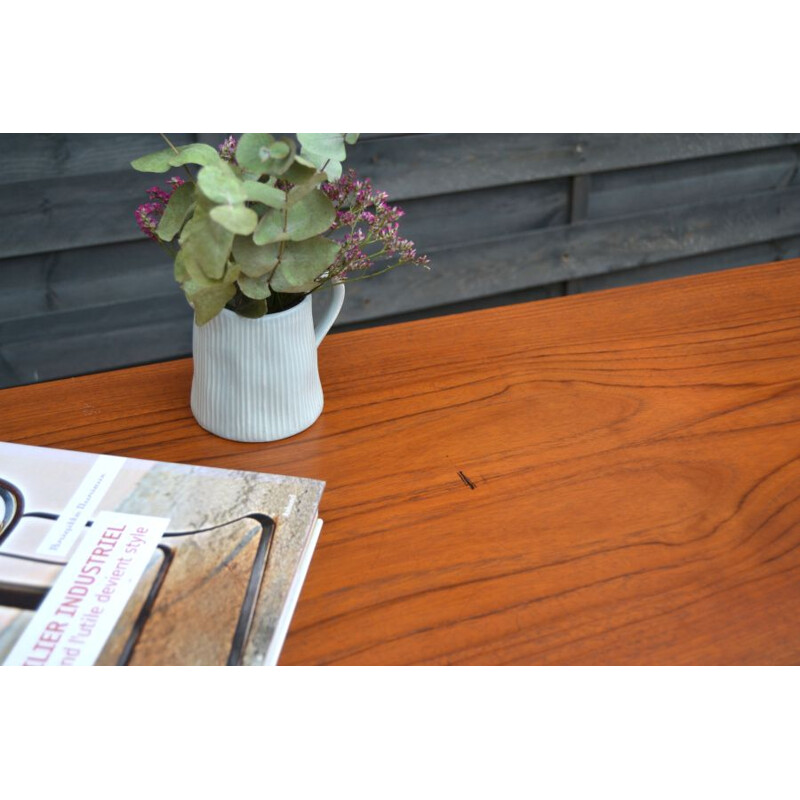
(108, 560)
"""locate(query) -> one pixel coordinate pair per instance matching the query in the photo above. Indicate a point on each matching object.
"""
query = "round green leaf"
(334, 170)
(180, 271)
(218, 183)
(178, 208)
(253, 151)
(303, 174)
(280, 150)
(154, 162)
(253, 260)
(248, 149)
(203, 154)
(330, 166)
(208, 301)
(206, 244)
(302, 263)
(270, 228)
(161, 161)
(237, 219)
(261, 193)
(260, 154)
(313, 215)
(330, 145)
(246, 307)
(255, 288)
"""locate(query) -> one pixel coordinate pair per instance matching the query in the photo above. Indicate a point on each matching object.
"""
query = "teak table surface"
(612, 478)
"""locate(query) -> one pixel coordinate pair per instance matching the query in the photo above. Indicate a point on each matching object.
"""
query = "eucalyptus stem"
(177, 152)
(372, 274)
(165, 247)
(169, 143)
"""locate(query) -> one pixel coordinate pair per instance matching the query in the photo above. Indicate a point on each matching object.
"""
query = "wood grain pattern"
(635, 456)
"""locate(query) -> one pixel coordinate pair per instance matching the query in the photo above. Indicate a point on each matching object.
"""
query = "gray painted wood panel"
(119, 314)
(505, 218)
(110, 336)
(442, 163)
(488, 265)
(49, 156)
(776, 250)
(83, 210)
(683, 183)
(43, 216)
(563, 253)
(83, 278)
(32, 361)
(434, 223)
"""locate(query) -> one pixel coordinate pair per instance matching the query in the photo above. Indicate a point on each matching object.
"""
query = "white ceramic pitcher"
(257, 380)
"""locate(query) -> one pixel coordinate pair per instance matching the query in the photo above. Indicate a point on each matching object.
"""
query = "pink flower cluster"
(227, 150)
(374, 228)
(148, 215)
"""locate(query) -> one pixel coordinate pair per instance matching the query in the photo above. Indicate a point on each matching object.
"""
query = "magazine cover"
(109, 560)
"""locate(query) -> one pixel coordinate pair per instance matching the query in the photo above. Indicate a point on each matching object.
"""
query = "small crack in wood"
(466, 480)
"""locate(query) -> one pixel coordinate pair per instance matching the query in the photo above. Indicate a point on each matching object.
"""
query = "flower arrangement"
(266, 221)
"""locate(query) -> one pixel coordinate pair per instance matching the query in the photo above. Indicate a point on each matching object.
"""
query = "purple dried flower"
(227, 150)
(373, 229)
(148, 215)
(158, 194)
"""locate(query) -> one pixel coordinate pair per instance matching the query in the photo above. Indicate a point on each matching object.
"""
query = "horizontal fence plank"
(48, 156)
(35, 360)
(444, 221)
(93, 210)
(98, 320)
(407, 165)
(419, 166)
(762, 253)
(460, 271)
(41, 216)
(215, 139)
(74, 342)
(93, 275)
(574, 251)
(436, 222)
(84, 278)
(617, 194)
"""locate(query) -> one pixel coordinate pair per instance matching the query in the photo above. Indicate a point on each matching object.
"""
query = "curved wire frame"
(14, 509)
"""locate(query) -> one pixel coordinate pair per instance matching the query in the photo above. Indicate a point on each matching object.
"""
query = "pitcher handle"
(329, 317)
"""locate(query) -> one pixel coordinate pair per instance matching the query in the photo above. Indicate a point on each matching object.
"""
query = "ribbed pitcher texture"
(257, 380)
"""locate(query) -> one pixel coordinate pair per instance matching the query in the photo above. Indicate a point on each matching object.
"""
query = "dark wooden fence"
(504, 218)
